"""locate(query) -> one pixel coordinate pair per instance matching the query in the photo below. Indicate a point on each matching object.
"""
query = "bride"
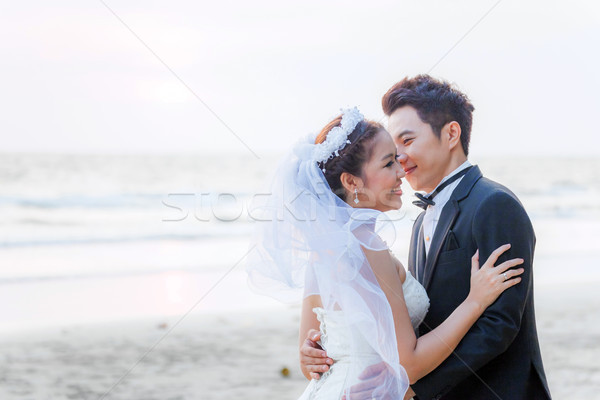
(317, 239)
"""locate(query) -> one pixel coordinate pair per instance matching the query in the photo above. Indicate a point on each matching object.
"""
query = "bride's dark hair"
(352, 157)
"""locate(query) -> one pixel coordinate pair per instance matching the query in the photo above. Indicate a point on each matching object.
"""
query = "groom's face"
(426, 157)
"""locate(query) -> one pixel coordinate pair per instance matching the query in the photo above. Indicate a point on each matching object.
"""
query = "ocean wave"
(85, 201)
(121, 239)
(96, 274)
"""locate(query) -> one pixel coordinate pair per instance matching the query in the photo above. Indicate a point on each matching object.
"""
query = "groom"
(499, 358)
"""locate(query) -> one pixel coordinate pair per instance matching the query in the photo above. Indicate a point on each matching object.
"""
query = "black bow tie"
(426, 201)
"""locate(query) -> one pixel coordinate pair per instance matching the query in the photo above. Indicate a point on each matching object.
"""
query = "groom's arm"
(499, 219)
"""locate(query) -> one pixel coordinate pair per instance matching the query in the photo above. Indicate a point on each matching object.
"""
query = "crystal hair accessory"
(337, 139)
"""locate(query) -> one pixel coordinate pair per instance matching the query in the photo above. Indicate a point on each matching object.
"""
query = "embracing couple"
(451, 327)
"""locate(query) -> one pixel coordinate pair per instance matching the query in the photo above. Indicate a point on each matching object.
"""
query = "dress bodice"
(335, 334)
(416, 300)
(336, 339)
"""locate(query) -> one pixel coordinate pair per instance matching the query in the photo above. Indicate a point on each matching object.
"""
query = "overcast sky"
(74, 78)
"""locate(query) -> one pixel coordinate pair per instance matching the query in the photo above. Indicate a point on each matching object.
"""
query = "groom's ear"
(452, 132)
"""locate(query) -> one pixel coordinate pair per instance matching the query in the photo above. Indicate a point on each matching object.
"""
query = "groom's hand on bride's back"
(313, 359)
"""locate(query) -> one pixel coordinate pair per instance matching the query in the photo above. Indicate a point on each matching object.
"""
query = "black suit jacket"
(499, 358)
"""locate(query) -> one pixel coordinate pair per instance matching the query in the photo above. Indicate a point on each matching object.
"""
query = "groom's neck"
(455, 162)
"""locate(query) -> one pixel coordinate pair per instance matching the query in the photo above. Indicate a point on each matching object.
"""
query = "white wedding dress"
(336, 341)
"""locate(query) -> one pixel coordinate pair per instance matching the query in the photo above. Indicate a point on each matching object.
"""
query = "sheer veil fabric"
(308, 242)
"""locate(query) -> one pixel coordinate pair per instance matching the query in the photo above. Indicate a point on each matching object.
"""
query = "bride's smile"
(382, 176)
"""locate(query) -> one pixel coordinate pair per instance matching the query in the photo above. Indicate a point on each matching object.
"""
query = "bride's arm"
(421, 356)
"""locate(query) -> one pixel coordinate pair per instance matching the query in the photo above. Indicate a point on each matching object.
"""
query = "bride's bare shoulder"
(381, 258)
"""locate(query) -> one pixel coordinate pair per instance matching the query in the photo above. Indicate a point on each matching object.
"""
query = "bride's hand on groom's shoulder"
(490, 281)
(313, 359)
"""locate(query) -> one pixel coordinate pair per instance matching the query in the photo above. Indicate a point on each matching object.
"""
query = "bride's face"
(382, 176)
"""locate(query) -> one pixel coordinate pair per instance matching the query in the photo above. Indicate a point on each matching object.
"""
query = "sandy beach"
(242, 354)
(236, 355)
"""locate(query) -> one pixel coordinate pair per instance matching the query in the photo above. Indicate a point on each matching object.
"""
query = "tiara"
(337, 137)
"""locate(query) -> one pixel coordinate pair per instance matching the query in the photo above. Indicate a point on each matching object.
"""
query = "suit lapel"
(449, 214)
(464, 187)
(414, 244)
(421, 256)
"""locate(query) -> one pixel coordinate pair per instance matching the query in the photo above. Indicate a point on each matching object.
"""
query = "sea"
(92, 238)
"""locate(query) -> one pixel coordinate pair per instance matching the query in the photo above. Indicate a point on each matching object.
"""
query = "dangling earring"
(356, 201)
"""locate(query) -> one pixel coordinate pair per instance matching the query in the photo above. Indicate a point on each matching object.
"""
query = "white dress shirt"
(432, 214)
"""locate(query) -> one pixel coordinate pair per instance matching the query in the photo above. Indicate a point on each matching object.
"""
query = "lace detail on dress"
(321, 317)
(416, 300)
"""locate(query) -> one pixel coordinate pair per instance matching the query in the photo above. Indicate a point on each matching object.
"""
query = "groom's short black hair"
(437, 103)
